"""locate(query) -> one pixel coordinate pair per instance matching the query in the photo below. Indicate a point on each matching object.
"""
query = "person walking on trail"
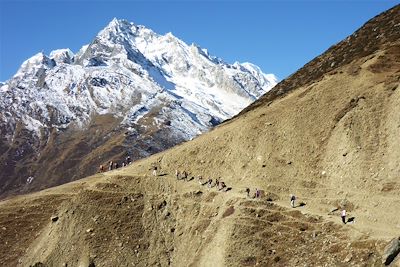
(292, 200)
(185, 175)
(200, 179)
(177, 174)
(257, 194)
(154, 171)
(343, 215)
(101, 168)
(203, 181)
(223, 186)
(110, 165)
(209, 183)
(248, 192)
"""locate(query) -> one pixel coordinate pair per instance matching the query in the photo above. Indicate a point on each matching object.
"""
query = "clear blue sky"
(278, 36)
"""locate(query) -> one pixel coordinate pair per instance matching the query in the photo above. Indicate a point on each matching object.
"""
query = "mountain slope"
(63, 113)
(333, 142)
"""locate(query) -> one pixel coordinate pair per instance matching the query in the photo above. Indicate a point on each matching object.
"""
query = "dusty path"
(214, 253)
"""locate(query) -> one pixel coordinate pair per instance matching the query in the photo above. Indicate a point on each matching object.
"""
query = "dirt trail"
(214, 253)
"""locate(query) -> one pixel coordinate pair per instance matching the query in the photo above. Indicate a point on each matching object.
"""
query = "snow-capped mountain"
(149, 86)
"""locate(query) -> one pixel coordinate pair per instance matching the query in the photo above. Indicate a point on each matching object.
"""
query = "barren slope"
(333, 142)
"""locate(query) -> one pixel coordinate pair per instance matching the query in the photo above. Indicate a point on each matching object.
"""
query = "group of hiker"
(115, 165)
(220, 185)
(257, 193)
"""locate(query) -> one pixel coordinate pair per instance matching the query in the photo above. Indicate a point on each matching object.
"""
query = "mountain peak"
(119, 26)
(62, 55)
(117, 29)
(119, 23)
(39, 60)
(114, 21)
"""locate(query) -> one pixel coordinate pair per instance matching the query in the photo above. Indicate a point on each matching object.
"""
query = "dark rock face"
(31, 164)
(391, 251)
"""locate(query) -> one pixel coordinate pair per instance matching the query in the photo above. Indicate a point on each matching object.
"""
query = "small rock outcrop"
(391, 251)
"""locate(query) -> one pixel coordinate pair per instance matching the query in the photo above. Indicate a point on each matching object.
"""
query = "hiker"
(217, 183)
(292, 199)
(101, 168)
(177, 174)
(116, 165)
(257, 194)
(223, 186)
(185, 175)
(128, 160)
(110, 165)
(154, 171)
(248, 192)
(343, 215)
(209, 183)
(123, 164)
(200, 179)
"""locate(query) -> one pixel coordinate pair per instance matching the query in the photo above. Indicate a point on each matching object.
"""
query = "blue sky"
(278, 36)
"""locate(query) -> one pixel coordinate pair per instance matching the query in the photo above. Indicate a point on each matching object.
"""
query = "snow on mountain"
(62, 56)
(129, 70)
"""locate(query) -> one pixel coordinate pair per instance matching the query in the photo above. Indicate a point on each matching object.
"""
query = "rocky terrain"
(332, 141)
(130, 92)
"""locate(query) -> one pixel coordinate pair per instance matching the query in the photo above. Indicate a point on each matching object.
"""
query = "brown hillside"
(332, 140)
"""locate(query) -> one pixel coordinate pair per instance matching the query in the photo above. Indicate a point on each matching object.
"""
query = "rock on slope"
(332, 141)
(129, 92)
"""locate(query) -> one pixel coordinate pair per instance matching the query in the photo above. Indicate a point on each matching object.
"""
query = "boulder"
(391, 251)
